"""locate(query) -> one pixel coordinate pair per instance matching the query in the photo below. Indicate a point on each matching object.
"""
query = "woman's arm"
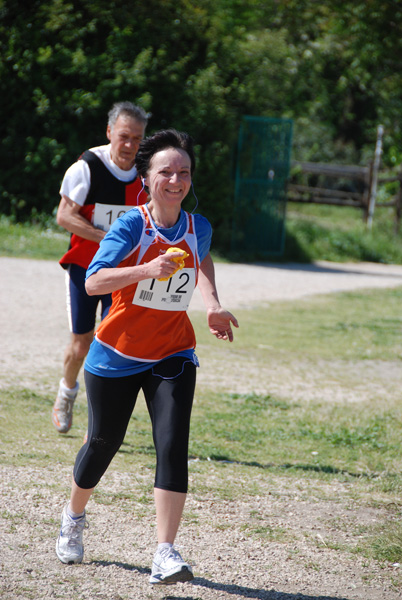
(219, 319)
(108, 280)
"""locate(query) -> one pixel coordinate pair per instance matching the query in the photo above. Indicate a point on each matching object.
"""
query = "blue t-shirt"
(123, 236)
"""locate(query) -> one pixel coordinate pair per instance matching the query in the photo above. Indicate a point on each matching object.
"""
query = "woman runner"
(147, 342)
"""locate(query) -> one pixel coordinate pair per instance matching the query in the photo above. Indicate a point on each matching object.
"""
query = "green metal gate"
(262, 171)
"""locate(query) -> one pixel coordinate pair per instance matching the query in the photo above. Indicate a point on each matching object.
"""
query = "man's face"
(125, 137)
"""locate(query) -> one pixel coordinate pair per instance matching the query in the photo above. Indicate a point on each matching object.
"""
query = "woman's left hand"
(220, 323)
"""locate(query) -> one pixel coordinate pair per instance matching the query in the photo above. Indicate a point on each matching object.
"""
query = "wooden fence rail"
(343, 185)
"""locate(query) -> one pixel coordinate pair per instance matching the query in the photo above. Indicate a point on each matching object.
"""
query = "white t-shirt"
(77, 179)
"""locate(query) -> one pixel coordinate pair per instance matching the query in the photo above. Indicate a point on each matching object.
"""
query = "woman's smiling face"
(169, 176)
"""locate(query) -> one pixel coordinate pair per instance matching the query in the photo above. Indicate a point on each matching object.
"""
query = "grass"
(256, 431)
(339, 234)
(356, 330)
(24, 240)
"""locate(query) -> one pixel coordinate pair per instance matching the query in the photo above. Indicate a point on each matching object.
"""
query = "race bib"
(174, 294)
(106, 214)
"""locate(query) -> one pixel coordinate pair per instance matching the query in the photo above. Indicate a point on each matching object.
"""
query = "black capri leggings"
(169, 391)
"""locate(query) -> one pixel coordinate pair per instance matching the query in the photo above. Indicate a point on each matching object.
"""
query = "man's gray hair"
(127, 109)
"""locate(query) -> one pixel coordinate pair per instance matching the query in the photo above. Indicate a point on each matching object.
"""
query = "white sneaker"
(168, 567)
(62, 413)
(69, 546)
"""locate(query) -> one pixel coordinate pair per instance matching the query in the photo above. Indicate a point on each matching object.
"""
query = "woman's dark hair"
(166, 138)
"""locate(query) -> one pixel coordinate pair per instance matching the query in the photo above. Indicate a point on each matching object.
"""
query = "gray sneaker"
(69, 546)
(62, 413)
(168, 567)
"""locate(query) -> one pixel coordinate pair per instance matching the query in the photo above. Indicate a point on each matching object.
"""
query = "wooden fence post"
(398, 204)
(374, 176)
(366, 192)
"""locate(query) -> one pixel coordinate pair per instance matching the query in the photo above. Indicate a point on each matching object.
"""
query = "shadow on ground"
(235, 590)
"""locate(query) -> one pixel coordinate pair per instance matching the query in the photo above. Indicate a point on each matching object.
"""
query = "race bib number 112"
(174, 294)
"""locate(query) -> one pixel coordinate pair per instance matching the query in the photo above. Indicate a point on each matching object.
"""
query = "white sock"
(74, 515)
(164, 545)
(69, 391)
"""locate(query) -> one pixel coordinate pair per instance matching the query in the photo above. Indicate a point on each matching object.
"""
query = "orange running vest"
(148, 320)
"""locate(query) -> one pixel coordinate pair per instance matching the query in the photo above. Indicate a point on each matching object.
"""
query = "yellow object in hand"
(178, 259)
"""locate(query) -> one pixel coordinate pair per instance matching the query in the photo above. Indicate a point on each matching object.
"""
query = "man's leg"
(74, 356)
(81, 312)
(75, 353)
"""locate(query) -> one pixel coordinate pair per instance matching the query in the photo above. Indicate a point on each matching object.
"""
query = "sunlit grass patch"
(32, 241)
(333, 233)
(386, 544)
(317, 439)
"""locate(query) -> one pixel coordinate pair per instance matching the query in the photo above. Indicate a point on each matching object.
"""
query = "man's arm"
(68, 217)
(219, 319)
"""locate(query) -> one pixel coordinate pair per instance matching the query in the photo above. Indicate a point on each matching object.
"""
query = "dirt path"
(229, 564)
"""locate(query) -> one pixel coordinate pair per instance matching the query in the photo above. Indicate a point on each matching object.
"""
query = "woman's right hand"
(108, 280)
(162, 266)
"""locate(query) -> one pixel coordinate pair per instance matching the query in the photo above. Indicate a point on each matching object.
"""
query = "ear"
(108, 132)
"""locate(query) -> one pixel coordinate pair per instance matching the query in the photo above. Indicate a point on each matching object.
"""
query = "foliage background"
(333, 67)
